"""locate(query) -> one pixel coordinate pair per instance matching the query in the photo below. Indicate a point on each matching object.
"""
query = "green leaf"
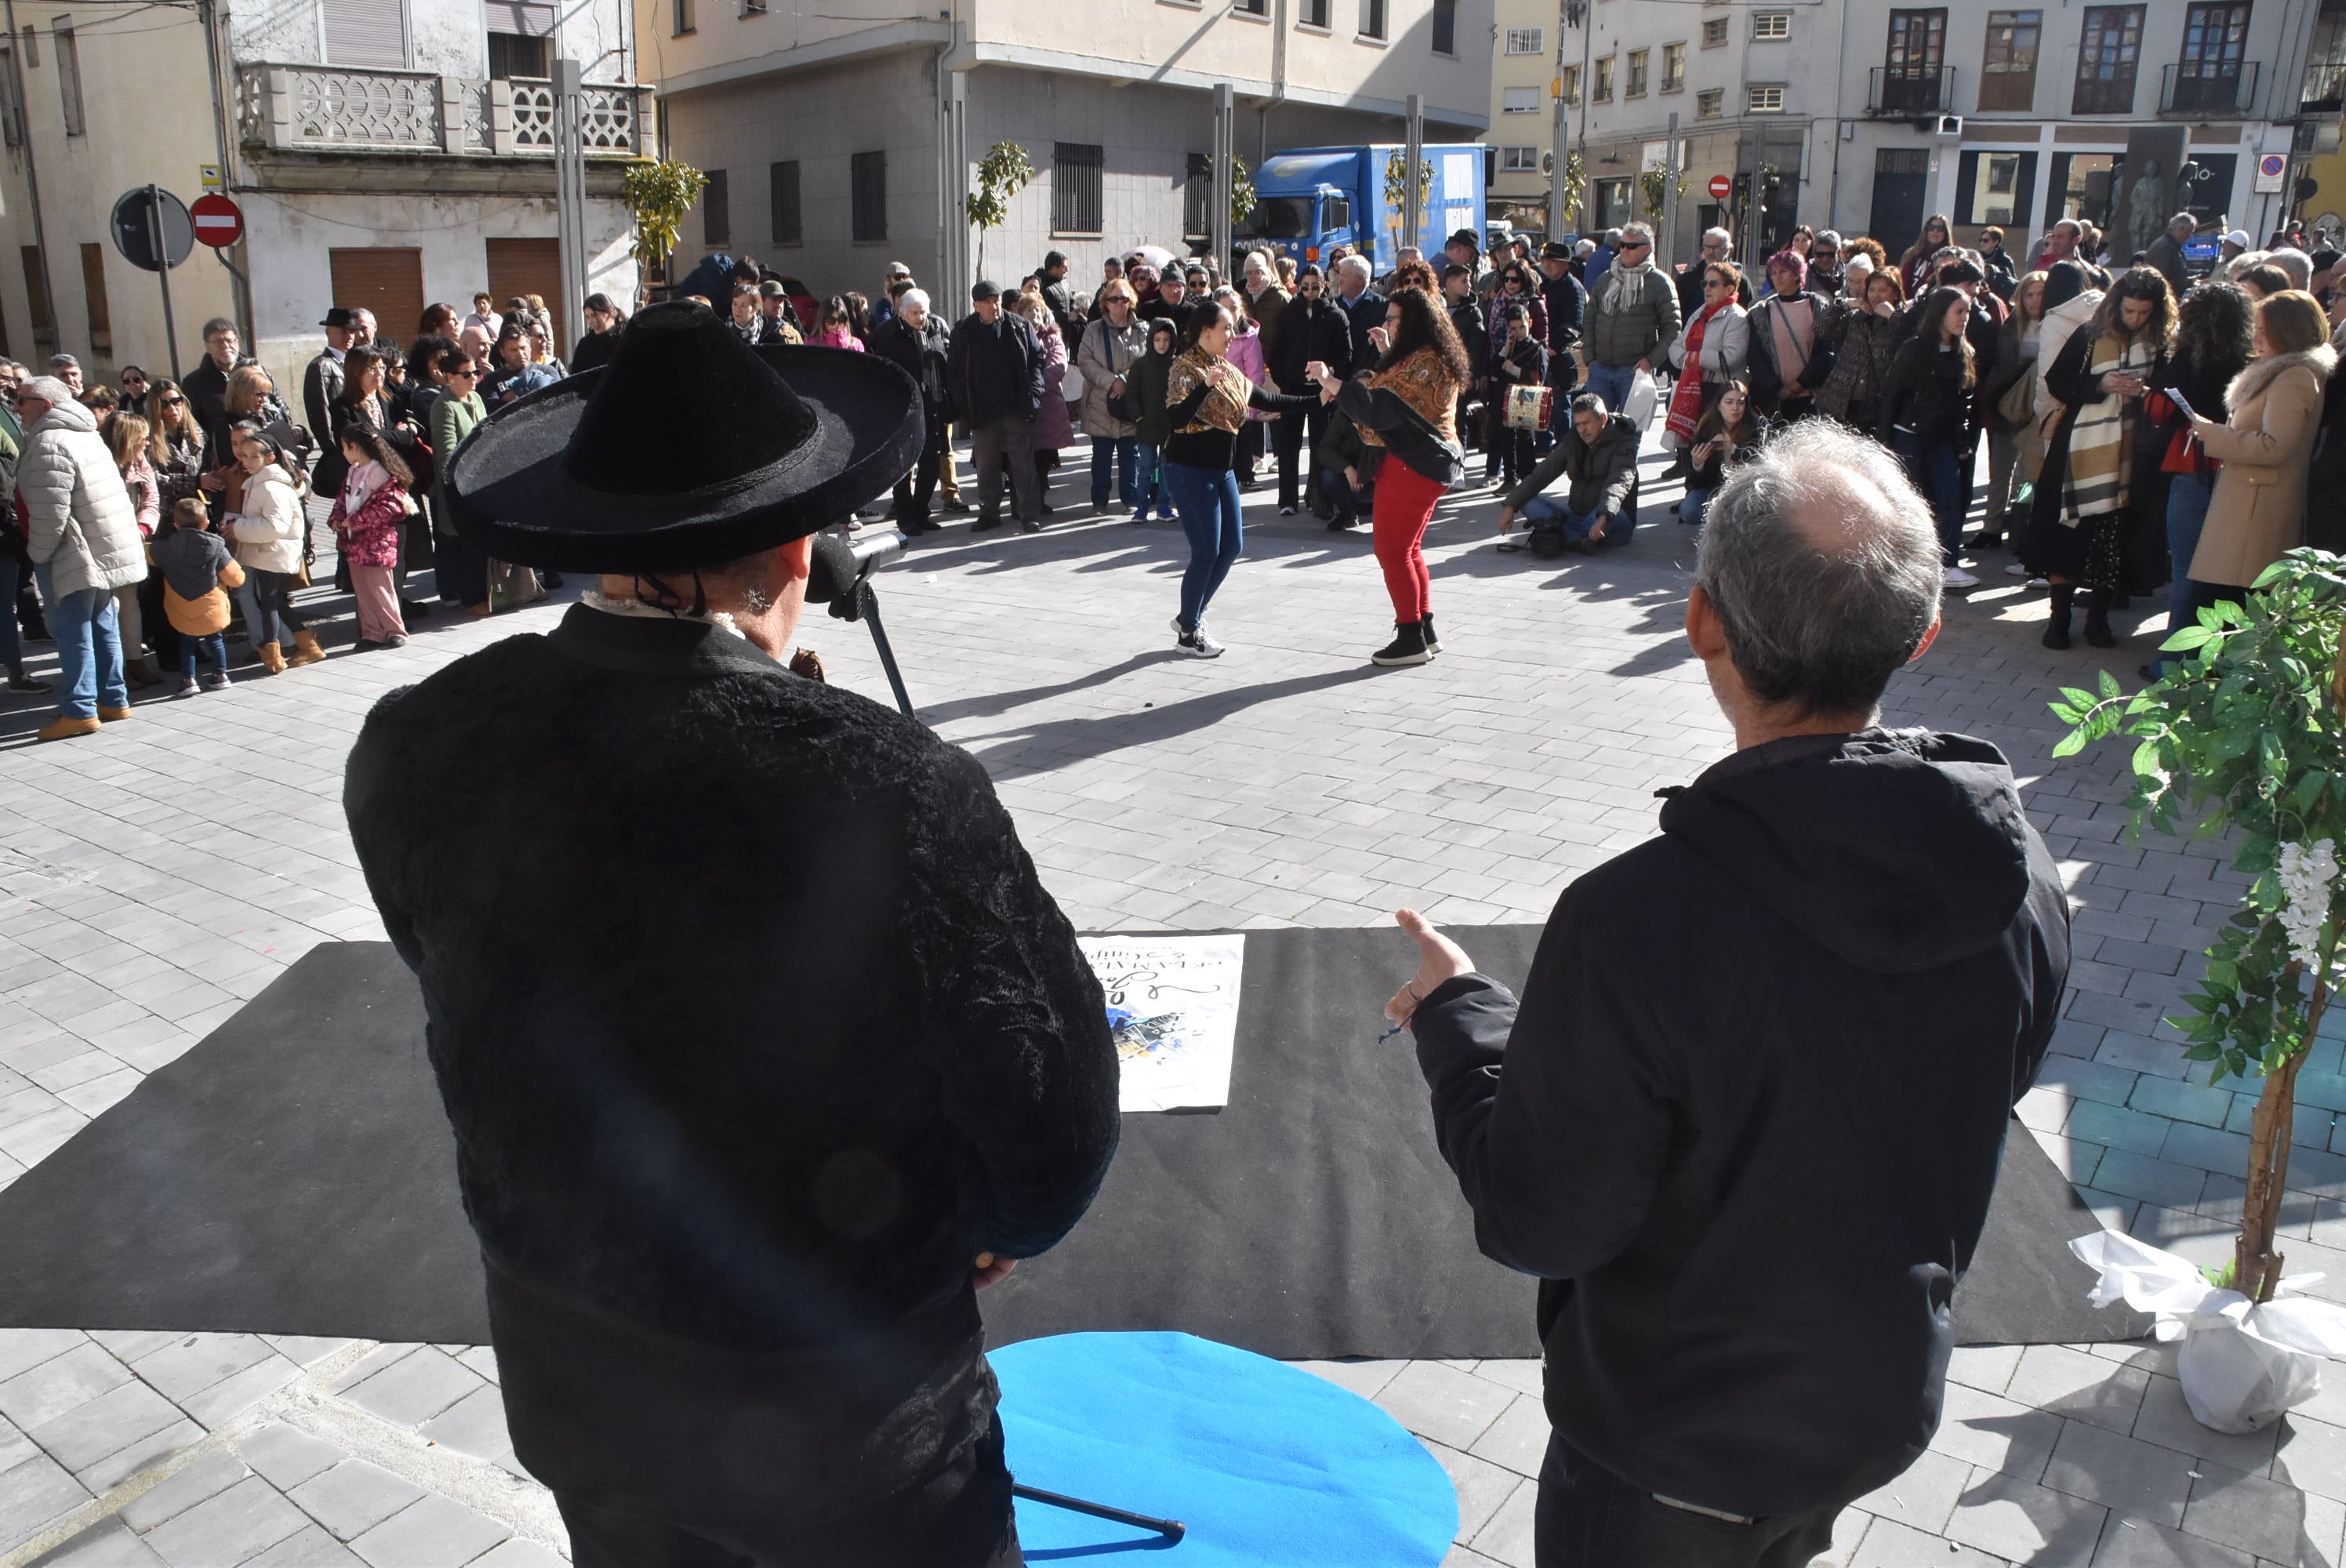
(2070, 744)
(2190, 638)
(2077, 696)
(2145, 759)
(2231, 612)
(2110, 687)
(2064, 712)
(2307, 790)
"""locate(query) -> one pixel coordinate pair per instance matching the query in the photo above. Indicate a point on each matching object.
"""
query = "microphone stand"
(1171, 1528)
(867, 609)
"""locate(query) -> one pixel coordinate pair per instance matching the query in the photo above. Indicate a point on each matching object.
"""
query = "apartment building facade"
(838, 142)
(1867, 115)
(385, 153)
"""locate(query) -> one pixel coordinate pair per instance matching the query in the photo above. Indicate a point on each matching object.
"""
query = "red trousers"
(1405, 501)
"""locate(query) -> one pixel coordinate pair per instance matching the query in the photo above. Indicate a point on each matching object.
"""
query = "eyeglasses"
(1714, 282)
(174, 403)
(1627, 245)
(467, 374)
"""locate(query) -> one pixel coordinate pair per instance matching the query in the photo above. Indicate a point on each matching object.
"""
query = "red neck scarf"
(1686, 402)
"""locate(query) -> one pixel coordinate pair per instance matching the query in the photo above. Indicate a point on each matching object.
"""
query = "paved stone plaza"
(155, 876)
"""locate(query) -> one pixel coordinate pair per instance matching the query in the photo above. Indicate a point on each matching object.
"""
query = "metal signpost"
(152, 228)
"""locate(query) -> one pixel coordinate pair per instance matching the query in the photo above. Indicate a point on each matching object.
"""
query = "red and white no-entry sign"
(1719, 187)
(218, 222)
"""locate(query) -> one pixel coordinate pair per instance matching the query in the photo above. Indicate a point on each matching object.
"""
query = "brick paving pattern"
(156, 876)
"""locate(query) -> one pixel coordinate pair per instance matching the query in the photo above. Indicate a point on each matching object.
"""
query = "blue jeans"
(274, 618)
(214, 647)
(1147, 476)
(1934, 466)
(89, 649)
(1123, 453)
(1611, 383)
(1576, 525)
(1696, 504)
(12, 648)
(1208, 501)
(2187, 513)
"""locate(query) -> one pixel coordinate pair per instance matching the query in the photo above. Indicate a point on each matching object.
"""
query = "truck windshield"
(1278, 218)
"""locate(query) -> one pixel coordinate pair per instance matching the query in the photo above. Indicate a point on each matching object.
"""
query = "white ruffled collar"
(596, 599)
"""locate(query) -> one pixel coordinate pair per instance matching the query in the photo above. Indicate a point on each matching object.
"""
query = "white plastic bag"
(2241, 1364)
(1071, 383)
(1643, 397)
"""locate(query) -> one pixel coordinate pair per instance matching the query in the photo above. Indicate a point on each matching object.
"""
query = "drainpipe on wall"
(209, 15)
(31, 178)
(953, 66)
(1277, 85)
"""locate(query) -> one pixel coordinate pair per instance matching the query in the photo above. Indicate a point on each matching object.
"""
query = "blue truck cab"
(1309, 200)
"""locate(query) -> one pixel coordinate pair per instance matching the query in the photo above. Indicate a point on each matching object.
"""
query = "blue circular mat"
(1265, 1463)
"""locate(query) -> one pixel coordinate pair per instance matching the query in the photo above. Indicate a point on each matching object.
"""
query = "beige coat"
(2259, 509)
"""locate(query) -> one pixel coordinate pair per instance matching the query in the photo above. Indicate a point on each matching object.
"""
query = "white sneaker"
(1956, 577)
(1199, 645)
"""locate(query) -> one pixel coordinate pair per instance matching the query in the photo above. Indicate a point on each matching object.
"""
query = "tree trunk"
(2257, 1266)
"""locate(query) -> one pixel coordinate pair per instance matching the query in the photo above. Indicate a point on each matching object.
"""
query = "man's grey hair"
(64, 361)
(2296, 263)
(1589, 403)
(1357, 265)
(1717, 237)
(1613, 236)
(1822, 562)
(2182, 222)
(47, 389)
(898, 269)
(1637, 230)
(912, 298)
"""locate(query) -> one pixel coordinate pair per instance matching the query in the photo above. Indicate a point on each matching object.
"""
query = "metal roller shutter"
(531, 267)
(366, 33)
(390, 282)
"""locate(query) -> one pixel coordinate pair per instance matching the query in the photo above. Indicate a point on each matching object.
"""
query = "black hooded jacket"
(1746, 1120)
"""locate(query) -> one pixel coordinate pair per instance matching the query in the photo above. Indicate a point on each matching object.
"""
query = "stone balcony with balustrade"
(337, 109)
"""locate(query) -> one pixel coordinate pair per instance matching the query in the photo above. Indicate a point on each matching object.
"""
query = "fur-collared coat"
(752, 1020)
(2266, 447)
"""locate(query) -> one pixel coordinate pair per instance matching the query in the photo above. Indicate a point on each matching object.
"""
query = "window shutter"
(524, 18)
(366, 33)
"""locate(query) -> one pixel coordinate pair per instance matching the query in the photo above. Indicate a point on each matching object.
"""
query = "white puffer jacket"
(270, 528)
(83, 526)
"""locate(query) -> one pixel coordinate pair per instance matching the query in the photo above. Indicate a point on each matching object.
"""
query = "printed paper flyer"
(1173, 1005)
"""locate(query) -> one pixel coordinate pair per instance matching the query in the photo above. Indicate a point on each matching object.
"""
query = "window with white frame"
(1764, 99)
(1519, 101)
(1714, 33)
(1526, 40)
(1519, 159)
(1771, 27)
(1709, 103)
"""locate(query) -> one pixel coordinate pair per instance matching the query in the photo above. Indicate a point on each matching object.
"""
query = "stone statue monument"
(2145, 210)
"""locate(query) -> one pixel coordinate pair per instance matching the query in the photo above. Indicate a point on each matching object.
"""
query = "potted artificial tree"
(2248, 733)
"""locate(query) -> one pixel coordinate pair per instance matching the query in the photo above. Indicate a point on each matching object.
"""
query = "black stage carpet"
(293, 1174)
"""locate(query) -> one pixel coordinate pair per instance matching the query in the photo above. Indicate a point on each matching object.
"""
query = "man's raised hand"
(1438, 959)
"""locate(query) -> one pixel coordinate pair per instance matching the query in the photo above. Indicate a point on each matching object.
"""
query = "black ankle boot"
(2056, 634)
(2098, 620)
(1407, 647)
(1433, 643)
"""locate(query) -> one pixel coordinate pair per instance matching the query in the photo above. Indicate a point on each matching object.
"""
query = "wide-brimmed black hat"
(689, 448)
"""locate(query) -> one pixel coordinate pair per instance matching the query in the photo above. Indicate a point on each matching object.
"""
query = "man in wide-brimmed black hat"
(763, 1046)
